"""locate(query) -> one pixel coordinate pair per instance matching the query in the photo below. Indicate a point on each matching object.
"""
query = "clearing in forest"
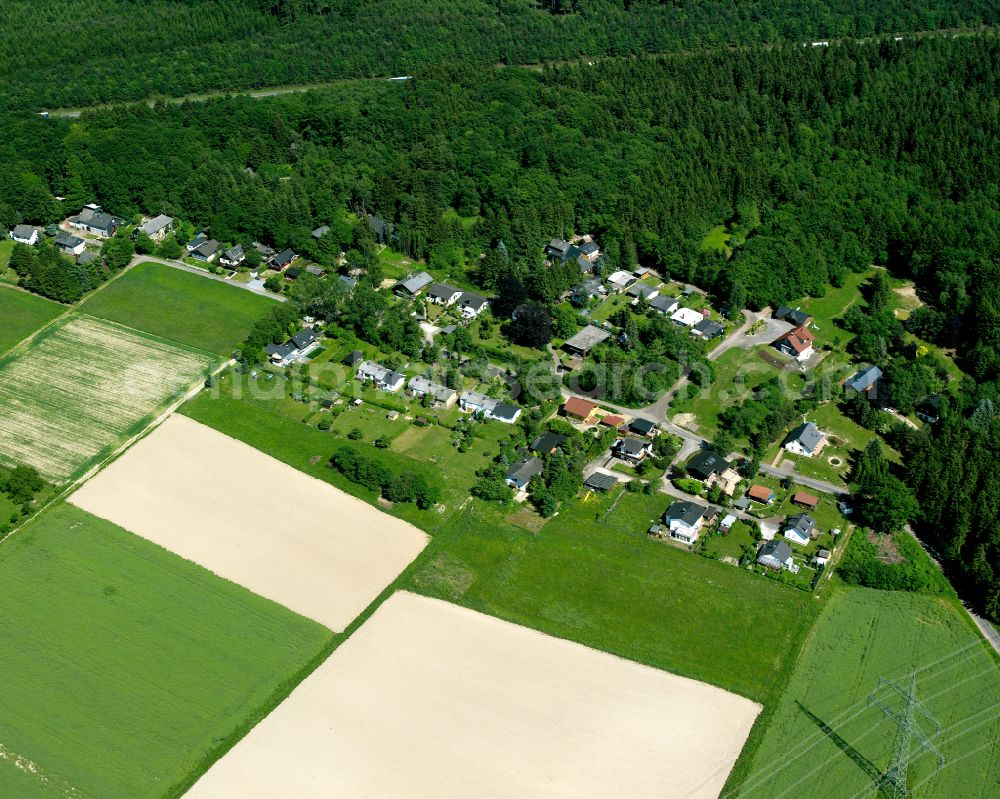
(429, 699)
(82, 387)
(254, 520)
(825, 742)
(126, 668)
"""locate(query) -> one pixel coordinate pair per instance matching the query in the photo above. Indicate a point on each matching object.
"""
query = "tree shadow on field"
(859, 759)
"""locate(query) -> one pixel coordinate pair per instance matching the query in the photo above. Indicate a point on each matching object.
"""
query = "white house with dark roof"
(71, 245)
(621, 280)
(472, 304)
(93, 219)
(684, 520)
(632, 450)
(775, 555)
(488, 407)
(25, 234)
(206, 251)
(520, 474)
(805, 440)
(664, 304)
(232, 257)
(442, 396)
(443, 294)
(686, 317)
(799, 528)
(382, 377)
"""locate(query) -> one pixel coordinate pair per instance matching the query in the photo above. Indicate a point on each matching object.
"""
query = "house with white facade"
(684, 520)
(382, 377)
(686, 317)
(805, 440)
(25, 234)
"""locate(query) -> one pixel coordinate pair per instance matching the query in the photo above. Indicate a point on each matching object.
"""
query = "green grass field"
(126, 667)
(823, 742)
(177, 305)
(595, 577)
(22, 314)
(831, 306)
(82, 387)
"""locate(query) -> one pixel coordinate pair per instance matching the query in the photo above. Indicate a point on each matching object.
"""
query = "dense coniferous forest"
(62, 53)
(830, 159)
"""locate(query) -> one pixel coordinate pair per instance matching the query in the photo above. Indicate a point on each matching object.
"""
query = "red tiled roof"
(613, 421)
(802, 498)
(801, 338)
(577, 406)
(760, 493)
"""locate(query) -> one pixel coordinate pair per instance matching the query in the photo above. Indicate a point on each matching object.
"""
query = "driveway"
(773, 329)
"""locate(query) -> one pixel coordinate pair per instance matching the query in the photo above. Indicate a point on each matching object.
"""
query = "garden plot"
(254, 520)
(428, 699)
(82, 387)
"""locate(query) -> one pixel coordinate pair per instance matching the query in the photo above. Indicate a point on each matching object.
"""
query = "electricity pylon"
(893, 782)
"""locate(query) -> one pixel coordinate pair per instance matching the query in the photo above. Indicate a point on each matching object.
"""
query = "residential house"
(382, 377)
(590, 250)
(684, 520)
(793, 315)
(599, 481)
(443, 294)
(582, 292)
(504, 412)
(196, 242)
(799, 528)
(621, 280)
(283, 259)
(929, 409)
(349, 282)
(316, 271)
(85, 258)
(822, 557)
(579, 408)
(471, 304)
(585, 340)
(521, 473)
(664, 304)
(354, 358)
(206, 251)
(385, 232)
(25, 234)
(727, 523)
(640, 291)
(805, 440)
(686, 317)
(94, 220)
(157, 227)
(292, 273)
(707, 329)
(557, 248)
(413, 285)
(805, 500)
(642, 427)
(474, 402)
(632, 450)
(775, 555)
(305, 340)
(798, 343)
(71, 245)
(232, 257)
(488, 408)
(612, 420)
(320, 232)
(761, 494)
(281, 354)
(441, 396)
(743, 503)
(706, 464)
(547, 443)
(867, 381)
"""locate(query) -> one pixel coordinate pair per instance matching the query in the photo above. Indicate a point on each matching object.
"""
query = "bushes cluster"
(861, 565)
(405, 486)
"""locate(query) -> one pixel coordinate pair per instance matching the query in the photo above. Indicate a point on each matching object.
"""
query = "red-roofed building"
(761, 494)
(798, 343)
(805, 500)
(579, 408)
(612, 421)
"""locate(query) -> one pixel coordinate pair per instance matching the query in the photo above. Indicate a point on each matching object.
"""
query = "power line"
(893, 782)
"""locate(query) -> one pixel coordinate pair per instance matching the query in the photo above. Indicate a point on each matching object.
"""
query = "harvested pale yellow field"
(80, 389)
(428, 699)
(253, 520)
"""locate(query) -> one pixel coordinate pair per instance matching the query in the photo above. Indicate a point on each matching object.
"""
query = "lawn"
(22, 315)
(177, 305)
(82, 387)
(126, 669)
(593, 576)
(824, 742)
(831, 306)
(716, 239)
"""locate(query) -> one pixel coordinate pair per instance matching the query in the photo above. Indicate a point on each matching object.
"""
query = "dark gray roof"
(806, 434)
(350, 282)
(23, 231)
(589, 248)
(283, 351)
(589, 288)
(688, 512)
(742, 503)
(640, 290)
(67, 241)
(774, 551)
(321, 231)
(865, 379)
(601, 482)
(525, 469)
(506, 411)
(802, 523)
(442, 291)
(644, 426)
(234, 253)
(207, 249)
(557, 246)
(631, 446)
(547, 442)
(706, 463)
(283, 258)
(304, 338)
(356, 356)
(663, 303)
(86, 257)
(708, 329)
(472, 300)
(793, 315)
(587, 339)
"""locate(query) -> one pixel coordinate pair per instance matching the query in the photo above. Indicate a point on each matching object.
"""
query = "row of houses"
(469, 303)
